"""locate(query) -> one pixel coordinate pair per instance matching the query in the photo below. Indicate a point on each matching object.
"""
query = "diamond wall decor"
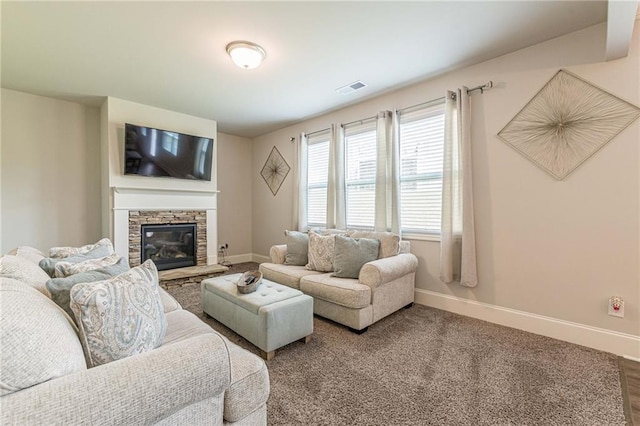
(567, 122)
(275, 170)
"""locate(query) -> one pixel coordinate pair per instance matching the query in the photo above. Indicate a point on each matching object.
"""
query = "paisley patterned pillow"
(321, 250)
(60, 252)
(65, 269)
(119, 317)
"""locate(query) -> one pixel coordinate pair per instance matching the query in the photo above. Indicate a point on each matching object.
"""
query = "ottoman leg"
(305, 339)
(268, 355)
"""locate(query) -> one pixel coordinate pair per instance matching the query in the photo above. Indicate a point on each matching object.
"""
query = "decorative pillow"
(60, 252)
(61, 287)
(24, 270)
(297, 248)
(321, 249)
(32, 254)
(351, 254)
(119, 317)
(39, 341)
(389, 242)
(65, 269)
(49, 263)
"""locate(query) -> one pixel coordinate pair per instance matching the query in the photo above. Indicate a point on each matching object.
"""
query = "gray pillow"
(49, 263)
(61, 287)
(297, 248)
(351, 254)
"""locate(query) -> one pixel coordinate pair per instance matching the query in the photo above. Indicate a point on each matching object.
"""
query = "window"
(317, 178)
(421, 151)
(360, 178)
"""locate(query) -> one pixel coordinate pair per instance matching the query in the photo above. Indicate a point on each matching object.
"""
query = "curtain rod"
(364, 120)
(488, 85)
(481, 88)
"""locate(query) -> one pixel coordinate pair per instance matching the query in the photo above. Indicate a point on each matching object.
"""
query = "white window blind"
(317, 177)
(421, 150)
(360, 179)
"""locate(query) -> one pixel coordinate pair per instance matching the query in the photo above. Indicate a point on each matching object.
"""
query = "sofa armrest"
(381, 271)
(141, 389)
(278, 253)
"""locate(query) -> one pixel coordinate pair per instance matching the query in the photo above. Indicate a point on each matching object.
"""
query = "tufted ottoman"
(272, 316)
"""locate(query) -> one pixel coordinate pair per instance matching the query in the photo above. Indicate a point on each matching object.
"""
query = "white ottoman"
(272, 316)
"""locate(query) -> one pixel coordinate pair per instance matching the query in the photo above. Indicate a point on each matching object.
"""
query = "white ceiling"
(172, 54)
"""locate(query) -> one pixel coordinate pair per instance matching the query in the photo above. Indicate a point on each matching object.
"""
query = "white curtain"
(457, 244)
(387, 204)
(336, 197)
(300, 182)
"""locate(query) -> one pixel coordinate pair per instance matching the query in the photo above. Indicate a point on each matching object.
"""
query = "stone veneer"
(137, 218)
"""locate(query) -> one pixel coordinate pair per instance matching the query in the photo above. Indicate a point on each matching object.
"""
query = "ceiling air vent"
(356, 85)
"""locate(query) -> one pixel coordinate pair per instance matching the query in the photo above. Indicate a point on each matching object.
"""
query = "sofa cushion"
(169, 303)
(181, 325)
(351, 254)
(288, 275)
(249, 387)
(24, 270)
(65, 269)
(61, 287)
(39, 341)
(62, 252)
(341, 291)
(389, 242)
(30, 253)
(297, 248)
(49, 263)
(321, 251)
(119, 317)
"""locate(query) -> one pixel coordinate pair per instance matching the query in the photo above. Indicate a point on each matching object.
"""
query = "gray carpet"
(423, 366)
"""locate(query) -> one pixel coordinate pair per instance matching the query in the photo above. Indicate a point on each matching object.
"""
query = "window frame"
(315, 138)
(354, 129)
(430, 110)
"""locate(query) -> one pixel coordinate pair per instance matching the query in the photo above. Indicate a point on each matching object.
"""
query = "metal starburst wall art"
(567, 122)
(275, 170)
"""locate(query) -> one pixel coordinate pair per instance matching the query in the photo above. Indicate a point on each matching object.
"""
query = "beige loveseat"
(383, 286)
(196, 377)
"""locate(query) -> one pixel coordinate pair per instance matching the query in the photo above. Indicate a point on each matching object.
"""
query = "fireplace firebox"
(170, 245)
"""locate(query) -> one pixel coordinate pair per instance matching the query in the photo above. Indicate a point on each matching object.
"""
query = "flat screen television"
(157, 152)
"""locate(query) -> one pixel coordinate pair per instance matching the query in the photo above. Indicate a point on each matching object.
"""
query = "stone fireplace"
(172, 239)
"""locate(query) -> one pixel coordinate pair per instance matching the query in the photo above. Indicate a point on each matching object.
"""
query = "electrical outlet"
(616, 306)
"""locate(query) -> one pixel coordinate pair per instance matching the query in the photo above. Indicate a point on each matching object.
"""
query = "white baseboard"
(623, 344)
(238, 258)
(260, 259)
(247, 257)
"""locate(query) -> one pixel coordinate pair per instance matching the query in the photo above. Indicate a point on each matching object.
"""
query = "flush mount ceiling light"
(245, 54)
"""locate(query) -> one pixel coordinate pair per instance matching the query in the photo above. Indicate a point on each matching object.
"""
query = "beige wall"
(234, 200)
(51, 178)
(50, 172)
(550, 248)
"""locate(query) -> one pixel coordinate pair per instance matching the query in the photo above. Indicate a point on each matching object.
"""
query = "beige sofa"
(195, 377)
(383, 286)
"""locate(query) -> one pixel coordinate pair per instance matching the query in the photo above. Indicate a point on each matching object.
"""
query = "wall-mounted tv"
(157, 152)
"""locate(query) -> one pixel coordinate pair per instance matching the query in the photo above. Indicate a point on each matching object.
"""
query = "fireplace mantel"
(142, 199)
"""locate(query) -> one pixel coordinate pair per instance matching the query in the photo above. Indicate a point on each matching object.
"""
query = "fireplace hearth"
(169, 245)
